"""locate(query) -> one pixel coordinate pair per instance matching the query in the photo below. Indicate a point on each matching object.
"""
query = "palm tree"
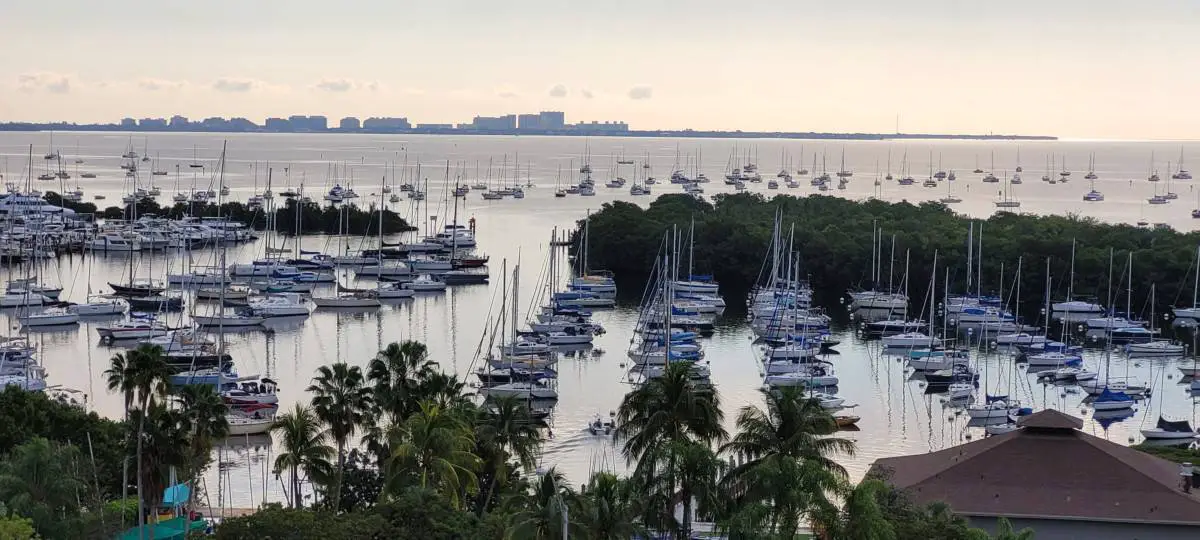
(395, 374)
(506, 431)
(203, 419)
(788, 451)
(658, 419)
(611, 508)
(433, 448)
(141, 375)
(1004, 531)
(341, 401)
(304, 449)
(165, 440)
(539, 514)
(860, 518)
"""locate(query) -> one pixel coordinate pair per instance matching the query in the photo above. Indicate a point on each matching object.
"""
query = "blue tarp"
(176, 495)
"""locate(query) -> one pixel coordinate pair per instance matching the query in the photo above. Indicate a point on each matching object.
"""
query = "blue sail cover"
(1108, 395)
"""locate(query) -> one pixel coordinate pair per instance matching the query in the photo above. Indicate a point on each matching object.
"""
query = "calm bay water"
(897, 416)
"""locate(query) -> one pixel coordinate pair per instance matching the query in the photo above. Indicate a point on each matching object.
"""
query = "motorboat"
(241, 425)
(911, 340)
(132, 329)
(827, 401)
(250, 392)
(1093, 196)
(994, 407)
(1002, 428)
(205, 376)
(937, 360)
(49, 317)
(1155, 348)
(392, 291)
(808, 379)
(521, 390)
(279, 305)
(960, 390)
(425, 283)
(601, 426)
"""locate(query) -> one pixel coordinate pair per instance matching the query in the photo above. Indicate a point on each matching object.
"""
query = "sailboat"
(950, 198)
(1093, 195)
(1153, 173)
(1170, 195)
(1170, 430)
(990, 178)
(1182, 173)
(1007, 201)
(1192, 312)
(1019, 169)
(195, 164)
(1157, 347)
(930, 182)
(844, 172)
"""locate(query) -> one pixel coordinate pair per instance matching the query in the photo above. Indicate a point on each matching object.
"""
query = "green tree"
(40, 481)
(433, 449)
(1004, 531)
(166, 444)
(656, 421)
(302, 439)
(341, 401)
(14, 527)
(788, 450)
(203, 419)
(396, 375)
(611, 508)
(537, 513)
(505, 431)
(141, 375)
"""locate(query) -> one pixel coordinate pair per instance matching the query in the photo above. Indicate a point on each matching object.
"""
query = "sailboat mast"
(970, 253)
(979, 274)
(515, 299)
(1071, 276)
(892, 265)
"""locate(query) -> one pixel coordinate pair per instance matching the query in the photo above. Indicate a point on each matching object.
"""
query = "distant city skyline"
(1073, 68)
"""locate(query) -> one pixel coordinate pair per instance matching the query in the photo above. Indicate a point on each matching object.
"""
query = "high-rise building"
(386, 124)
(349, 123)
(278, 124)
(507, 122)
(552, 120)
(152, 123)
(528, 122)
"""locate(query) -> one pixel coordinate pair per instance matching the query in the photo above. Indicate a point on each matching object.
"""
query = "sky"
(1104, 69)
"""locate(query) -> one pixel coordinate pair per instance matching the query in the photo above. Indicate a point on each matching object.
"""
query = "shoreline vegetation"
(399, 449)
(314, 218)
(833, 238)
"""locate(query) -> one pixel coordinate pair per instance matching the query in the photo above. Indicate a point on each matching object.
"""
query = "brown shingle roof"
(1048, 471)
(1050, 419)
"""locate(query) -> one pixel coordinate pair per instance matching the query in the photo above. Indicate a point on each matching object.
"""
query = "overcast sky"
(1074, 68)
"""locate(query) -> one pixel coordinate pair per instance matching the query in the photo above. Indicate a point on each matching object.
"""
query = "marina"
(335, 298)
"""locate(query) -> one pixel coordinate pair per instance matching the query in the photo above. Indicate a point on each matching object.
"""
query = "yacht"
(425, 283)
(1093, 196)
(286, 304)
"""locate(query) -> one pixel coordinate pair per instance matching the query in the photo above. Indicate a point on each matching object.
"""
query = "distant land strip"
(577, 132)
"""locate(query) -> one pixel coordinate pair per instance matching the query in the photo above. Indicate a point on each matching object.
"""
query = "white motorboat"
(227, 321)
(49, 317)
(241, 425)
(960, 390)
(1155, 348)
(568, 338)
(392, 291)
(995, 408)
(133, 329)
(110, 307)
(911, 340)
(827, 401)
(425, 283)
(1170, 430)
(261, 392)
(521, 390)
(1001, 429)
(279, 305)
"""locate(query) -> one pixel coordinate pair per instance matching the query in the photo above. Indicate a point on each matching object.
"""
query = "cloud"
(587, 94)
(507, 92)
(345, 85)
(54, 83)
(641, 92)
(155, 85)
(558, 91)
(225, 84)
